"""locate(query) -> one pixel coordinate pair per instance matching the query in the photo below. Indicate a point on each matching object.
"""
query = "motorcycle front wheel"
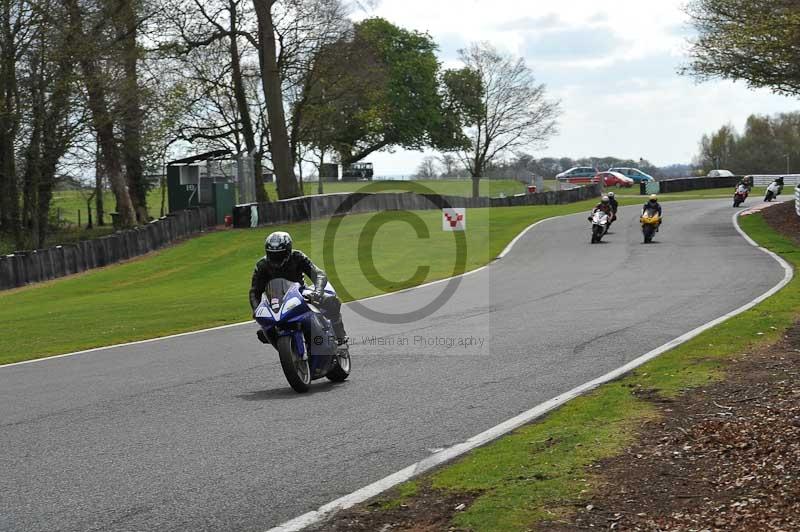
(648, 231)
(294, 366)
(597, 234)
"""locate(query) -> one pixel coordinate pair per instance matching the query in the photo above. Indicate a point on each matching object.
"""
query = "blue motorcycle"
(302, 335)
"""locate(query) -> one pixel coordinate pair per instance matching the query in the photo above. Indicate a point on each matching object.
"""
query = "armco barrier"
(26, 267)
(697, 183)
(326, 205)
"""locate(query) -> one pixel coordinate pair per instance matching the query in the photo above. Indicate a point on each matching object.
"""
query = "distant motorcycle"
(302, 335)
(599, 226)
(650, 221)
(773, 191)
(739, 197)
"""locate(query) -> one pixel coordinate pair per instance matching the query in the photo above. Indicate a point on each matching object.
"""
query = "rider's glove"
(315, 296)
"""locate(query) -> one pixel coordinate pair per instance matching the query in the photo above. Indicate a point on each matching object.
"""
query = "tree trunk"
(270, 78)
(319, 171)
(101, 118)
(9, 124)
(90, 225)
(99, 190)
(300, 177)
(131, 116)
(240, 95)
(476, 171)
(32, 177)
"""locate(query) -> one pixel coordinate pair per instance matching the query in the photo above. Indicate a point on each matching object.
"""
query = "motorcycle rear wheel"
(294, 367)
(342, 369)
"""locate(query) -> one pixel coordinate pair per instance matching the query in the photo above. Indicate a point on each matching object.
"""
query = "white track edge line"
(370, 491)
(241, 323)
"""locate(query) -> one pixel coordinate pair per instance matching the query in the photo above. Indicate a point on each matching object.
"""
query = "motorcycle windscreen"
(277, 289)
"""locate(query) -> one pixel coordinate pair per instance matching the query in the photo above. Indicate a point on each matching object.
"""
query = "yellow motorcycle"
(650, 221)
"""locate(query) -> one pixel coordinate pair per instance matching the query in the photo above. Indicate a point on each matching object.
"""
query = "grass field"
(203, 282)
(72, 201)
(540, 470)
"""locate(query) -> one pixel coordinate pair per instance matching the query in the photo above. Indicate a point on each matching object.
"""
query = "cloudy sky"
(612, 63)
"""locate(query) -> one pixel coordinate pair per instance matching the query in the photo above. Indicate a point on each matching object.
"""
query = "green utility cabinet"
(188, 187)
(224, 200)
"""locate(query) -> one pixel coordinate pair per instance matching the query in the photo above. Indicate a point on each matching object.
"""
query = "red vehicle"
(613, 179)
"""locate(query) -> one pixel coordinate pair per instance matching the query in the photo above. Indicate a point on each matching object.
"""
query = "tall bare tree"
(15, 17)
(223, 32)
(126, 21)
(514, 110)
(98, 100)
(280, 148)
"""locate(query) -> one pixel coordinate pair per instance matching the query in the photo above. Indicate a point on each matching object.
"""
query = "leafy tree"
(717, 150)
(755, 41)
(374, 89)
(762, 148)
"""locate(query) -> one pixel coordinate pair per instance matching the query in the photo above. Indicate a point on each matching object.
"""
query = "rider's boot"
(341, 336)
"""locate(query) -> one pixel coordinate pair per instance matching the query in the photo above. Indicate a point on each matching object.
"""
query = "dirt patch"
(726, 457)
(429, 510)
(783, 218)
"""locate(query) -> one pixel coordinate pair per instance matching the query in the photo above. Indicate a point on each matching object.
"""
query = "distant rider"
(282, 262)
(742, 189)
(653, 205)
(612, 200)
(747, 183)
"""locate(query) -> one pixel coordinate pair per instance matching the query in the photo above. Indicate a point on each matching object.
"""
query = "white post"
(797, 199)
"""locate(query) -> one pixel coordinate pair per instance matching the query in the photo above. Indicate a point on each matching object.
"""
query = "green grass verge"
(540, 470)
(203, 282)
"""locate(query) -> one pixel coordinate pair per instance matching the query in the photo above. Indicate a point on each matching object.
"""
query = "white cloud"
(613, 63)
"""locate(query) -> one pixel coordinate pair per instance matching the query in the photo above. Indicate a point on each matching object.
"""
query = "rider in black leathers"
(282, 262)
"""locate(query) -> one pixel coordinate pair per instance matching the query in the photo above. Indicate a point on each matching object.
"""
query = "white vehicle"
(720, 173)
(579, 174)
(599, 226)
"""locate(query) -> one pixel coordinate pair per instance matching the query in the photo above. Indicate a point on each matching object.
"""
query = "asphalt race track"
(202, 432)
